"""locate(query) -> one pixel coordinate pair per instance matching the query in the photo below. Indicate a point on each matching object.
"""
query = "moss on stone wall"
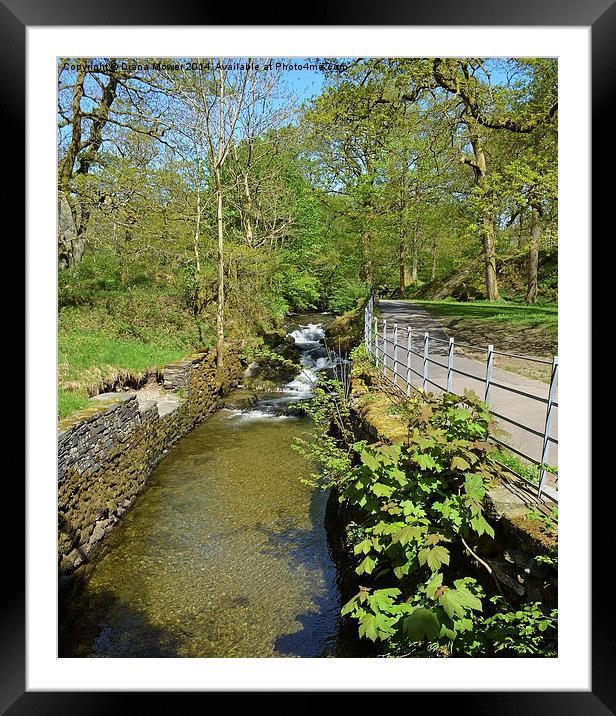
(106, 452)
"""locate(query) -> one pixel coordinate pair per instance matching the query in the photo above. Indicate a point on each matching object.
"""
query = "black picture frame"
(17, 15)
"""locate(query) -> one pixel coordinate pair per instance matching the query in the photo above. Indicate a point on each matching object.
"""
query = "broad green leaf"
(459, 463)
(381, 490)
(473, 486)
(366, 566)
(363, 547)
(464, 624)
(386, 528)
(421, 624)
(349, 606)
(433, 585)
(447, 632)
(369, 460)
(401, 570)
(425, 462)
(407, 534)
(434, 557)
(382, 599)
(368, 627)
(392, 452)
(455, 602)
(479, 524)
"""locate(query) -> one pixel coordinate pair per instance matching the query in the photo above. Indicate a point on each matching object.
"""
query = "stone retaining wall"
(107, 451)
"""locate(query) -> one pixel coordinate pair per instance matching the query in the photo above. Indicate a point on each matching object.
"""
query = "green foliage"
(346, 294)
(330, 445)
(526, 631)
(299, 289)
(417, 502)
(548, 522)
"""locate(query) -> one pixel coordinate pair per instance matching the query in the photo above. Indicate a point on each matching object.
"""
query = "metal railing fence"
(394, 351)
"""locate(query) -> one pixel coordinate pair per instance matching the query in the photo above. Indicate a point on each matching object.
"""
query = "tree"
(92, 96)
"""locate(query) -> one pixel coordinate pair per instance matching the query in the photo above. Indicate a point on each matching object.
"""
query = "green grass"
(517, 315)
(90, 358)
(69, 402)
(80, 351)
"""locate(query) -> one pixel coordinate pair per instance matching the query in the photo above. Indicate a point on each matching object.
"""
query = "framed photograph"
(293, 358)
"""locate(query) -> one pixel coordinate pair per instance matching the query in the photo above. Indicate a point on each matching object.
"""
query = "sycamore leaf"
(381, 490)
(472, 601)
(407, 534)
(464, 624)
(434, 557)
(399, 476)
(364, 546)
(369, 460)
(368, 627)
(425, 462)
(382, 599)
(433, 585)
(473, 486)
(421, 624)
(392, 452)
(459, 463)
(479, 524)
(401, 570)
(449, 633)
(425, 414)
(348, 607)
(366, 566)
(455, 602)
(386, 528)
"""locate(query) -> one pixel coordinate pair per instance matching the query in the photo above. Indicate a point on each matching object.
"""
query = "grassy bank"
(89, 361)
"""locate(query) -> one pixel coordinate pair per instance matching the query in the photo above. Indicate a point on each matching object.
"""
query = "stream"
(225, 553)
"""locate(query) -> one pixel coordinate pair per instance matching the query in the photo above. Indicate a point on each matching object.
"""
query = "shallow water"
(224, 554)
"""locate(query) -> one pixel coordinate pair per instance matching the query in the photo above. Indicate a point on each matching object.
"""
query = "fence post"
(425, 360)
(450, 351)
(489, 363)
(376, 341)
(545, 453)
(396, 354)
(408, 362)
(384, 346)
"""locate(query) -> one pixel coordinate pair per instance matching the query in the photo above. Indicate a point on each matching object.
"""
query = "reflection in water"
(224, 554)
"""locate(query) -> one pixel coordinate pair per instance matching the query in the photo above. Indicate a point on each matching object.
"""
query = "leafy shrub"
(346, 295)
(300, 290)
(418, 501)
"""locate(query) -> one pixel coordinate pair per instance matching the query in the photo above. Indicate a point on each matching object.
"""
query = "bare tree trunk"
(433, 273)
(198, 220)
(489, 240)
(521, 233)
(220, 299)
(489, 255)
(402, 263)
(248, 213)
(366, 241)
(533, 255)
(415, 253)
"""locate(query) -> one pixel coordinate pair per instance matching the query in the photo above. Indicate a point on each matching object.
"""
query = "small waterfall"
(313, 358)
(309, 339)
